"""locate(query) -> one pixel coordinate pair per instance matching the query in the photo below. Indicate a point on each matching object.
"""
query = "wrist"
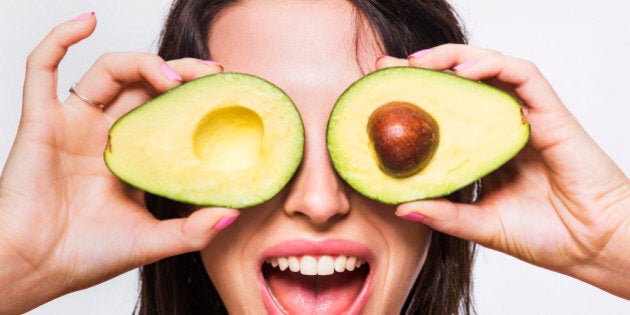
(608, 268)
(23, 286)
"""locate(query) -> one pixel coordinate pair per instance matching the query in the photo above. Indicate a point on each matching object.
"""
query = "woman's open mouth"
(316, 283)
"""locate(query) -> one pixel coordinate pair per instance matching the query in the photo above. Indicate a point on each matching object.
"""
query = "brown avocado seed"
(404, 138)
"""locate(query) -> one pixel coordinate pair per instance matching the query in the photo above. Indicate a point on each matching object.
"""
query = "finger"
(491, 66)
(467, 60)
(466, 221)
(446, 57)
(40, 85)
(177, 236)
(106, 78)
(388, 61)
(506, 72)
(481, 65)
(114, 71)
(191, 68)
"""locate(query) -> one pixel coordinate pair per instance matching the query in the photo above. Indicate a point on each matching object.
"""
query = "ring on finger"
(73, 90)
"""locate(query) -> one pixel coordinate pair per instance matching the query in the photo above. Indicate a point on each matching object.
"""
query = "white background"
(583, 48)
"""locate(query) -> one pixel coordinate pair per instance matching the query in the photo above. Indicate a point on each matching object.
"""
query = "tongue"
(300, 294)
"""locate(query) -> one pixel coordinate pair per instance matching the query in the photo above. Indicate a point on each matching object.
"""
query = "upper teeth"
(316, 265)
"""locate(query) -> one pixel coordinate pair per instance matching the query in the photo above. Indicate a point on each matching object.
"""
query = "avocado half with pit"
(227, 139)
(403, 133)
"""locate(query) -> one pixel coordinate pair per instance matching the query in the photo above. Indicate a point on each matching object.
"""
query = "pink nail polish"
(209, 62)
(170, 73)
(412, 216)
(420, 53)
(464, 65)
(224, 222)
(84, 16)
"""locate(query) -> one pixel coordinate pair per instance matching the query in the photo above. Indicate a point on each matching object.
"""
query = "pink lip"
(326, 247)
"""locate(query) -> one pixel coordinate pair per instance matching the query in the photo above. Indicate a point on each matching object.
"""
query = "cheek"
(412, 238)
(413, 248)
(233, 276)
(230, 249)
(217, 256)
(405, 239)
(407, 259)
(219, 260)
(407, 246)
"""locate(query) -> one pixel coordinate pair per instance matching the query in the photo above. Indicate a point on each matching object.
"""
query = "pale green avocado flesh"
(213, 141)
(480, 129)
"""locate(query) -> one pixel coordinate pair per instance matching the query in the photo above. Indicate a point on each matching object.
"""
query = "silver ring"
(73, 90)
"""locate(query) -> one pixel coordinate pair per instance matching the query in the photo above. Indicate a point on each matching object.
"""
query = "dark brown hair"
(180, 285)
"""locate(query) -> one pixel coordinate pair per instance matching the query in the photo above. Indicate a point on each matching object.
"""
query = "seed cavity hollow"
(229, 138)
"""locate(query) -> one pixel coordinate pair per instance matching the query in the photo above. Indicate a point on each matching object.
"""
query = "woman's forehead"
(289, 41)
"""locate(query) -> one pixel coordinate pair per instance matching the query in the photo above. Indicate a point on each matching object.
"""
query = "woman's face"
(308, 48)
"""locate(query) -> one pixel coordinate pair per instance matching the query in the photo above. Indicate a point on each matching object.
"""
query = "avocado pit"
(404, 138)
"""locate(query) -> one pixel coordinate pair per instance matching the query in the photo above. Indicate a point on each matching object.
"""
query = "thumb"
(178, 236)
(466, 221)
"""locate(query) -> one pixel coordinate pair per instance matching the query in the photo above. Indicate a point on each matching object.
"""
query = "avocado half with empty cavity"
(227, 139)
(401, 134)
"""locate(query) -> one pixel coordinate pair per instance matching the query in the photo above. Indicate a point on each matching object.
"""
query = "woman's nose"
(317, 193)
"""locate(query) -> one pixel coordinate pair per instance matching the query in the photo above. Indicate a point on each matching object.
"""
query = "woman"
(313, 63)
(339, 59)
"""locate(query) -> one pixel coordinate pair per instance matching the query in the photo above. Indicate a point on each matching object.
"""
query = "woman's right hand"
(66, 222)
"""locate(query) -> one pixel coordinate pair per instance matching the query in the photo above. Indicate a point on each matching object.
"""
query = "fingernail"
(224, 222)
(170, 73)
(412, 216)
(464, 65)
(84, 16)
(420, 53)
(211, 63)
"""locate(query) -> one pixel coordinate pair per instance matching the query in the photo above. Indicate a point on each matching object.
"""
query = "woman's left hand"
(561, 203)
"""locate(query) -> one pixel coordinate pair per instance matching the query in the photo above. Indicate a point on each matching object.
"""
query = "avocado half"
(453, 130)
(227, 139)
